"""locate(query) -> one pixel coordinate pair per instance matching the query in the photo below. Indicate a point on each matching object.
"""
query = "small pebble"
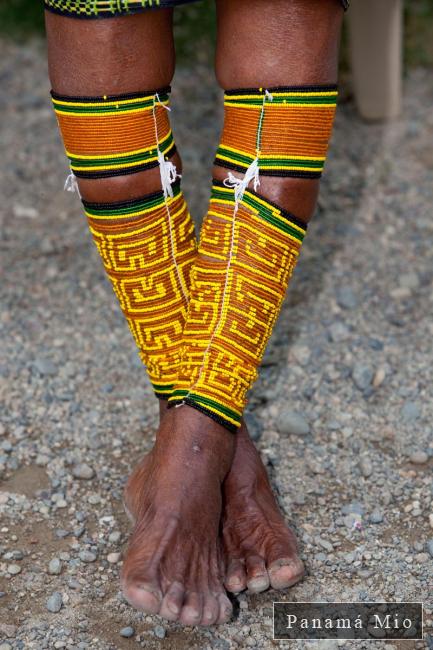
(113, 558)
(160, 631)
(376, 517)
(409, 280)
(114, 537)
(55, 567)
(346, 298)
(366, 467)
(55, 602)
(291, 422)
(362, 376)
(324, 543)
(338, 332)
(418, 458)
(83, 471)
(430, 519)
(5, 646)
(14, 569)
(45, 367)
(429, 546)
(255, 427)
(410, 412)
(87, 556)
(379, 377)
(127, 632)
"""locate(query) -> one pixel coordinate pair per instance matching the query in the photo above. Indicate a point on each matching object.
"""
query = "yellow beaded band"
(247, 253)
(148, 246)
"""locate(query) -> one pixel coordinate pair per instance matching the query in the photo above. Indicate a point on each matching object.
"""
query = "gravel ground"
(342, 413)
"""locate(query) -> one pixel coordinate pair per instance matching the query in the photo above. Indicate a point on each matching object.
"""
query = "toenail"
(173, 608)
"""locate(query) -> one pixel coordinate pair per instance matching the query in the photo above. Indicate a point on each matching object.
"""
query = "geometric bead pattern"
(107, 8)
(148, 246)
(114, 135)
(247, 253)
(103, 8)
(295, 127)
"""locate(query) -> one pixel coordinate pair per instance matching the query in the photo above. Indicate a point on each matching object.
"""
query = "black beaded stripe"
(166, 90)
(108, 173)
(284, 213)
(279, 173)
(281, 89)
(198, 407)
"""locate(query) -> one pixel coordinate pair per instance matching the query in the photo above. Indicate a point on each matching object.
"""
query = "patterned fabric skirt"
(107, 8)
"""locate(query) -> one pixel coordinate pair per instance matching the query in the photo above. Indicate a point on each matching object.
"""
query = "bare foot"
(174, 563)
(261, 551)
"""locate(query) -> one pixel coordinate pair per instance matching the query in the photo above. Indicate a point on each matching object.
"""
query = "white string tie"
(71, 184)
(239, 185)
(168, 174)
(167, 108)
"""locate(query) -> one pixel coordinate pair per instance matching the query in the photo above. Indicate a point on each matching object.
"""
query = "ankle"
(193, 438)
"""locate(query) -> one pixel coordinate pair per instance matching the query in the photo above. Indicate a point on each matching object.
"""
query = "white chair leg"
(375, 32)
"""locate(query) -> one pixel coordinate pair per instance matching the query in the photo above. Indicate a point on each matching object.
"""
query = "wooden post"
(375, 32)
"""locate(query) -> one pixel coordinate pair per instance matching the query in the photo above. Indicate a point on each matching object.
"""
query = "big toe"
(285, 572)
(143, 596)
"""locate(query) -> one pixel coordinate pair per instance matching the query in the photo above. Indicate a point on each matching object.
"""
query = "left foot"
(261, 551)
(173, 564)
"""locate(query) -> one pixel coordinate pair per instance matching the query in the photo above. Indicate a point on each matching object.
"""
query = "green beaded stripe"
(225, 155)
(314, 96)
(201, 402)
(123, 209)
(266, 210)
(166, 146)
(100, 107)
(163, 390)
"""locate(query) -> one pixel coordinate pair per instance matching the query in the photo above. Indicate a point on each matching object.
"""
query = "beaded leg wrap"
(147, 244)
(294, 123)
(112, 136)
(248, 246)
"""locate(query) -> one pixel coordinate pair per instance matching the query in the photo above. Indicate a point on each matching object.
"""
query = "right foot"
(173, 565)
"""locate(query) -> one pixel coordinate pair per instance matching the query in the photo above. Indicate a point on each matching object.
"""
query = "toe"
(285, 572)
(172, 602)
(236, 577)
(225, 609)
(192, 609)
(257, 575)
(143, 596)
(210, 610)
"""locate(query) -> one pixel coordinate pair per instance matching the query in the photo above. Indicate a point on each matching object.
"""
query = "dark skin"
(199, 476)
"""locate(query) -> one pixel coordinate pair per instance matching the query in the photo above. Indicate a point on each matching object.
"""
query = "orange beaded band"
(294, 126)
